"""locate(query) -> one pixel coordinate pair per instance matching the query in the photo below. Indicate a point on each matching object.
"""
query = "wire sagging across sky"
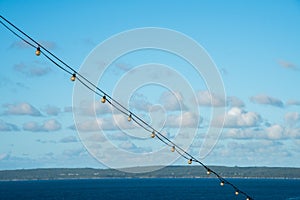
(106, 98)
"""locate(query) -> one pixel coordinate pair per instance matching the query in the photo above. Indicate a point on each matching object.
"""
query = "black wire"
(119, 106)
(55, 63)
(141, 125)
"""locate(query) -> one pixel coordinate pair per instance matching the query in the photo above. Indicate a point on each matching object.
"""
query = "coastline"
(170, 172)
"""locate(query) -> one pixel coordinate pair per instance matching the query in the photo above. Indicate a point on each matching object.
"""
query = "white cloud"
(237, 133)
(117, 136)
(46, 126)
(266, 100)
(236, 117)
(205, 98)
(272, 132)
(123, 66)
(233, 101)
(287, 65)
(292, 117)
(187, 119)
(252, 153)
(129, 146)
(52, 110)
(275, 132)
(21, 109)
(94, 108)
(120, 121)
(68, 139)
(4, 126)
(51, 125)
(292, 102)
(94, 125)
(74, 152)
(116, 122)
(172, 101)
(140, 102)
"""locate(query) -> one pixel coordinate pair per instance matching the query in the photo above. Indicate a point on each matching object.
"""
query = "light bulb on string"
(248, 198)
(208, 172)
(129, 118)
(190, 161)
(38, 51)
(153, 134)
(73, 77)
(236, 193)
(103, 100)
(173, 148)
(222, 183)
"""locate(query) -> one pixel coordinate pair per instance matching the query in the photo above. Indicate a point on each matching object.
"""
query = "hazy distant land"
(167, 172)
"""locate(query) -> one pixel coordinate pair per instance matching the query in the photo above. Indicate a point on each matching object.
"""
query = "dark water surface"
(149, 189)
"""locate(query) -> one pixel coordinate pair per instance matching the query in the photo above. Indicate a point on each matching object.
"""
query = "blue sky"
(255, 45)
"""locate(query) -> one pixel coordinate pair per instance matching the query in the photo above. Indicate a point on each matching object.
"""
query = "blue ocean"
(150, 189)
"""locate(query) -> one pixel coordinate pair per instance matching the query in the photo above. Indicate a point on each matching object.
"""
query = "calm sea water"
(148, 189)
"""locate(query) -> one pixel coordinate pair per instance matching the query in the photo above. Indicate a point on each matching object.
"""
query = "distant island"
(167, 172)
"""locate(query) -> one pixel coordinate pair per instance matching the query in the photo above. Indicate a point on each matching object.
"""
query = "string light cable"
(75, 75)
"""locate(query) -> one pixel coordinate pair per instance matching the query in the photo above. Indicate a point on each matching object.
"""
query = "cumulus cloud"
(187, 119)
(46, 126)
(52, 110)
(123, 66)
(93, 108)
(4, 126)
(272, 132)
(233, 101)
(115, 122)
(266, 100)
(292, 117)
(129, 146)
(74, 152)
(117, 136)
(172, 101)
(275, 132)
(140, 102)
(68, 139)
(237, 117)
(206, 98)
(292, 102)
(34, 70)
(21, 109)
(287, 65)
(238, 133)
